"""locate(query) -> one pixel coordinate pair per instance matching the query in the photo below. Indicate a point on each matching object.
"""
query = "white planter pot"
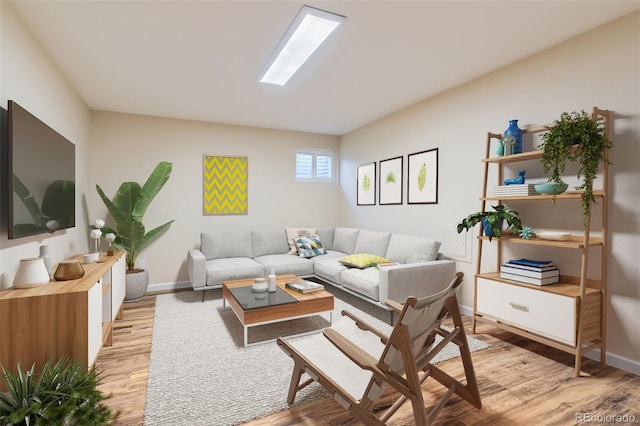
(137, 282)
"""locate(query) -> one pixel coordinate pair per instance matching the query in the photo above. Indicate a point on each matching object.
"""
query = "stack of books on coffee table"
(304, 286)
(536, 272)
(513, 190)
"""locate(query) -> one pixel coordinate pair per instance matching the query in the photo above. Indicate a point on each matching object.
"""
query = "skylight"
(309, 30)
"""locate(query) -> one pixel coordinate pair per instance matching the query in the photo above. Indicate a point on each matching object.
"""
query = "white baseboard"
(169, 286)
(614, 360)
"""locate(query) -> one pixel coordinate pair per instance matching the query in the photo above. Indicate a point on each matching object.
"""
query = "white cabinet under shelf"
(569, 315)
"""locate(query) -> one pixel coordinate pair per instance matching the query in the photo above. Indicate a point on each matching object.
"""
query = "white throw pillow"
(293, 234)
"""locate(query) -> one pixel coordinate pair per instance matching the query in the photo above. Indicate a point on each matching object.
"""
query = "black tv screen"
(41, 176)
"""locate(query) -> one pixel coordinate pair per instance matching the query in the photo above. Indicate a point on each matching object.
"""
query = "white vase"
(272, 283)
(45, 255)
(31, 273)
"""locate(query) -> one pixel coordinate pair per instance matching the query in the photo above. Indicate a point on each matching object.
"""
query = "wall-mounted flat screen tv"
(41, 176)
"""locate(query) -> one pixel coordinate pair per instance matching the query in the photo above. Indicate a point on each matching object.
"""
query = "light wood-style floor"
(521, 383)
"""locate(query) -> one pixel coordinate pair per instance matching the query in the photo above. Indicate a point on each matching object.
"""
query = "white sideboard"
(62, 318)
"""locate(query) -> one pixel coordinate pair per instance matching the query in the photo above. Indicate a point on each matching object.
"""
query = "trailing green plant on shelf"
(493, 221)
(575, 136)
(63, 393)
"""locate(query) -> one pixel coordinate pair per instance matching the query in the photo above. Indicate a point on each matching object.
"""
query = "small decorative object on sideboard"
(90, 257)
(31, 273)
(110, 237)
(45, 254)
(69, 270)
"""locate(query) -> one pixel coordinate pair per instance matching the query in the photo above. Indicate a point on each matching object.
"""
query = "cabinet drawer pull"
(519, 307)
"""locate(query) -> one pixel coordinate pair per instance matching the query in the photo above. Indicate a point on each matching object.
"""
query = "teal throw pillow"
(309, 246)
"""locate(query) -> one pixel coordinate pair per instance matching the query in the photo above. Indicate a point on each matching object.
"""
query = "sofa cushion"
(233, 268)
(344, 239)
(269, 242)
(362, 260)
(328, 268)
(326, 236)
(373, 242)
(362, 281)
(410, 249)
(293, 233)
(310, 246)
(286, 264)
(331, 254)
(224, 244)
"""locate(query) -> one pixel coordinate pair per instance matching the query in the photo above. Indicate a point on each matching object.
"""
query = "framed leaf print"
(422, 183)
(390, 181)
(366, 193)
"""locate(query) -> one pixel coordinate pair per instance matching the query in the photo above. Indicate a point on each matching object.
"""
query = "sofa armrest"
(415, 279)
(197, 268)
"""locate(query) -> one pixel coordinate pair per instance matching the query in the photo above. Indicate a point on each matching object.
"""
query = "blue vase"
(514, 131)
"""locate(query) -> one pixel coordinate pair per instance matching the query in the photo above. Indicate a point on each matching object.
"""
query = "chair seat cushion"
(333, 363)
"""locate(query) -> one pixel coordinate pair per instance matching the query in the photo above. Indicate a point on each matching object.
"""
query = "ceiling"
(200, 60)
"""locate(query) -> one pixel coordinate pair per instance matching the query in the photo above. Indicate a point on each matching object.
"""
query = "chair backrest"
(413, 336)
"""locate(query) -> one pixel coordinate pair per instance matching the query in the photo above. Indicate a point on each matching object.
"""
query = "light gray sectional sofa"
(246, 254)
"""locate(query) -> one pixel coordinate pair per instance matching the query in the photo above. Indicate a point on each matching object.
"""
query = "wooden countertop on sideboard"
(92, 273)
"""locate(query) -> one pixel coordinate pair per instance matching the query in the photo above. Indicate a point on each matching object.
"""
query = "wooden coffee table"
(253, 309)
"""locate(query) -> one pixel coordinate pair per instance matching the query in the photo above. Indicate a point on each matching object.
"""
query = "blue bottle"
(516, 132)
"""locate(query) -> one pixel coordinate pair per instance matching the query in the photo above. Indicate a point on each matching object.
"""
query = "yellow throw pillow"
(362, 260)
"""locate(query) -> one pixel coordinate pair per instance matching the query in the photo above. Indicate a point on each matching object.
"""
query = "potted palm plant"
(575, 136)
(492, 221)
(127, 210)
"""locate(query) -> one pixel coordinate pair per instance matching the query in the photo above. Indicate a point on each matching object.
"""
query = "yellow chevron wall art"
(225, 185)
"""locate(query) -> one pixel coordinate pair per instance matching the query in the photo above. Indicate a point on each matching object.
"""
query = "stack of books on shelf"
(513, 190)
(537, 272)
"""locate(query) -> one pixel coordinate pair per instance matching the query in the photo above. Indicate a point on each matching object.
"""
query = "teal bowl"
(551, 188)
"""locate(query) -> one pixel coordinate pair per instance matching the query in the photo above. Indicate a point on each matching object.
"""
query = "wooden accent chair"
(356, 363)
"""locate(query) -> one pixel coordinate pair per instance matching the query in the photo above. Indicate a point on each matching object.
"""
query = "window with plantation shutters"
(314, 165)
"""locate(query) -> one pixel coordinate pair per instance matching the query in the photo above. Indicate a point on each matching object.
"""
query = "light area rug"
(200, 373)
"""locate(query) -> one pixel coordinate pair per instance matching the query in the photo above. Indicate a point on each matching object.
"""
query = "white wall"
(127, 147)
(600, 68)
(28, 76)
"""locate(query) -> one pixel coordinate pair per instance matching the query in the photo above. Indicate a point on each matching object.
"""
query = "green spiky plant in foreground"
(63, 393)
(128, 208)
